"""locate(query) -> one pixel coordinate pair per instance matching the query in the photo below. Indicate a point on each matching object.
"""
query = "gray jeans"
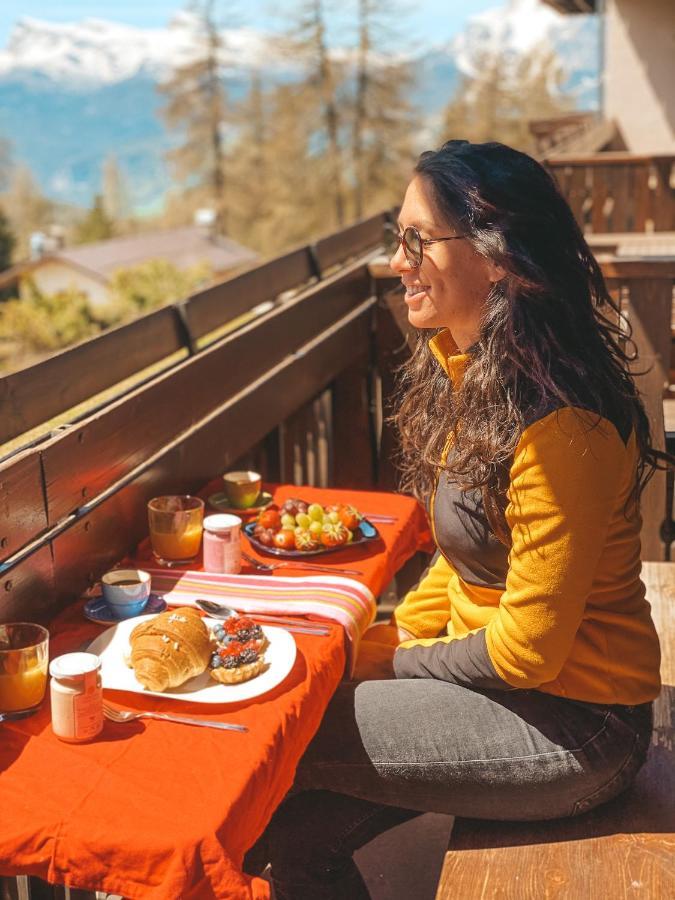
(390, 750)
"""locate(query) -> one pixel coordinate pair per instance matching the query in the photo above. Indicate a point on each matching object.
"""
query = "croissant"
(169, 649)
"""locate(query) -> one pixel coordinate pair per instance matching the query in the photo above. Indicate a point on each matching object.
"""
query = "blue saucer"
(97, 610)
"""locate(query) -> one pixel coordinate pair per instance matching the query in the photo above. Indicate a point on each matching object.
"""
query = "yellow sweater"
(572, 619)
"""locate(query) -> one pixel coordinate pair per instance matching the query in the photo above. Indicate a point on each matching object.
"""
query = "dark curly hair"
(549, 334)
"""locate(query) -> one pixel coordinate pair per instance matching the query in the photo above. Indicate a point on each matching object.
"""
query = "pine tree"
(26, 208)
(250, 199)
(197, 107)
(383, 121)
(96, 225)
(503, 95)
(115, 192)
(5, 162)
(7, 242)
(278, 191)
(309, 44)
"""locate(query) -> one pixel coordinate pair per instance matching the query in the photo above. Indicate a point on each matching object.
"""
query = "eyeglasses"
(413, 243)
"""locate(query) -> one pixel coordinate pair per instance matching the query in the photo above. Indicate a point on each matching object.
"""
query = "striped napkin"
(342, 600)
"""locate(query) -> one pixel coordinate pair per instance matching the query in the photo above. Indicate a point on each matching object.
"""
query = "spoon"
(221, 611)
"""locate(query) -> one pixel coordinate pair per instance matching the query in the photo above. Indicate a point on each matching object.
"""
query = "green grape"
(315, 512)
(288, 521)
(303, 520)
(315, 528)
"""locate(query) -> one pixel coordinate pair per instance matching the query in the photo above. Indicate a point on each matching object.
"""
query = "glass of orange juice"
(24, 652)
(175, 529)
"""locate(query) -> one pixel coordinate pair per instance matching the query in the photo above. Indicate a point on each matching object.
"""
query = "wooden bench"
(623, 849)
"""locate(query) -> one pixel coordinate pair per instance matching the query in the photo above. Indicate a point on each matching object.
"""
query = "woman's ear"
(495, 272)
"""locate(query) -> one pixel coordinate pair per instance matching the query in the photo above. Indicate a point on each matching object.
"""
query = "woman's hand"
(376, 653)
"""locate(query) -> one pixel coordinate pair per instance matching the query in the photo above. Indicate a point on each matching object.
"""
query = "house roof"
(181, 246)
(573, 6)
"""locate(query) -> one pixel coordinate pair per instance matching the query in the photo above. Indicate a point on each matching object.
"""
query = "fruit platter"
(297, 528)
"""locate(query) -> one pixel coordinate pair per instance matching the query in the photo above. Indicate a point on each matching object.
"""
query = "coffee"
(126, 583)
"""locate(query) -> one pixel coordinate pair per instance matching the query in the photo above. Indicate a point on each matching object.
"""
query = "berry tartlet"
(239, 652)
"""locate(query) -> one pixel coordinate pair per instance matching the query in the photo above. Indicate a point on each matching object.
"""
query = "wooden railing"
(280, 392)
(618, 191)
(36, 394)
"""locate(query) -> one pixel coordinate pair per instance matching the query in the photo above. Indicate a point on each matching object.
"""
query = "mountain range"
(73, 94)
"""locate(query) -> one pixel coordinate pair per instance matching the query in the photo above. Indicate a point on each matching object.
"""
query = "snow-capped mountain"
(72, 94)
(94, 52)
(519, 27)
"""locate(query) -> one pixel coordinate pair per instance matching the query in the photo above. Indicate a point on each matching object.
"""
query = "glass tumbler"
(175, 529)
(24, 655)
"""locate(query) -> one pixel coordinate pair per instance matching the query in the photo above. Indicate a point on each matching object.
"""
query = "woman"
(527, 659)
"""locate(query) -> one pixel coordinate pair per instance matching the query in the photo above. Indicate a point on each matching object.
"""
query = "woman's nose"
(398, 262)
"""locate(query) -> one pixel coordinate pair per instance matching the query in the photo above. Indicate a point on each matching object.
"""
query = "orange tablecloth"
(158, 810)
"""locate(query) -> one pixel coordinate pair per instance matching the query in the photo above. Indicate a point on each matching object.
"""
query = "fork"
(270, 567)
(128, 715)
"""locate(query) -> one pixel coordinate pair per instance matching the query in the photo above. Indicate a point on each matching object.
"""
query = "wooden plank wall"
(38, 393)
(617, 191)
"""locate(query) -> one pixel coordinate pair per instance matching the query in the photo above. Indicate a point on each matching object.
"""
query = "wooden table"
(158, 810)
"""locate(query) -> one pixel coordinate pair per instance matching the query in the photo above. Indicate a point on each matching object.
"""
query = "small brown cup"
(242, 488)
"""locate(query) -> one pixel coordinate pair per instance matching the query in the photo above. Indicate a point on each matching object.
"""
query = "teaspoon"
(221, 611)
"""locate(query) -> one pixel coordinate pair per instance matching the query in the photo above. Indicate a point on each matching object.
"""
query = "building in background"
(89, 267)
(638, 77)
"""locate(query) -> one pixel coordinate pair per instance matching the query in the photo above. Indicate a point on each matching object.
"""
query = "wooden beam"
(347, 243)
(23, 511)
(27, 592)
(609, 158)
(36, 394)
(213, 307)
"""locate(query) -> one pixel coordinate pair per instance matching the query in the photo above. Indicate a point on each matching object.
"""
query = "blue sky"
(427, 20)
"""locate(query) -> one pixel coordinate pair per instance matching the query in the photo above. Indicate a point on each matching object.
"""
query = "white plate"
(113, 646)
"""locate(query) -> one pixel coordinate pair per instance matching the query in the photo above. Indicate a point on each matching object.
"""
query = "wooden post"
(648, 307)
(394, 341)
(352, 432)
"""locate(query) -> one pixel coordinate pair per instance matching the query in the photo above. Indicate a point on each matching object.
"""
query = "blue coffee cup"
(126, 591)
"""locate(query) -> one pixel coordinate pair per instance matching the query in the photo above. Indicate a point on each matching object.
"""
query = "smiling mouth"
(412, 290)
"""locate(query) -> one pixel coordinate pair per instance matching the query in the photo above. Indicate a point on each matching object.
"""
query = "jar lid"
(221, 522)
(71, 665)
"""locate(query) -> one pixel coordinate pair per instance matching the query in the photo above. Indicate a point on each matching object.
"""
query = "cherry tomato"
(284, 539)
(270, 518)
(350, 516)
(305, 540)
(333, 534)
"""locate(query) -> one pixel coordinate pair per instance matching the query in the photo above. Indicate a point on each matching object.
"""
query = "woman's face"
(449, 289)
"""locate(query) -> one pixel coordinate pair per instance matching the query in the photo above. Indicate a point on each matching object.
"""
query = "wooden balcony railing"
(290, 391)
(299, 391)
(618, 191)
